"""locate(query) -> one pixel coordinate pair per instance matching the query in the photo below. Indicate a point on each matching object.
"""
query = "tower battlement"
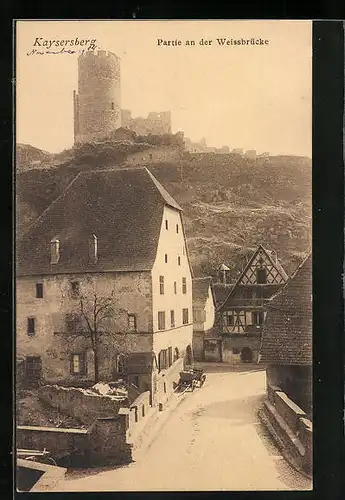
(99, 54)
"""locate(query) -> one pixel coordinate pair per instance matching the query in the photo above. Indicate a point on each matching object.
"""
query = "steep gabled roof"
(221, 292)
(122, 207)
(274, 262)
(287, 333)
(201, 287)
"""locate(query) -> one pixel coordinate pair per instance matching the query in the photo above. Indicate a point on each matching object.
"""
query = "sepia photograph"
(163, 255)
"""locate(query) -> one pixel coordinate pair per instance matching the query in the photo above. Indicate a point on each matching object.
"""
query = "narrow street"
(213, 440)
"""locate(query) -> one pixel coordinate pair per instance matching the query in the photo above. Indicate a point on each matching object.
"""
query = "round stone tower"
(97, 109)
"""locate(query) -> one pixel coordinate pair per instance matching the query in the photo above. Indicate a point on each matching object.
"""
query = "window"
(229, 318)
(39, 290)
(33, 368)
(170, 356)
(175, 287)
(247, 294)
(172, 319)
(112, 105)
(185, 316)
(176, 354)
(184, 285)
(177, 228)
(161, 320)
(183, 251)
(77, 364)
(179, 260)
(258, 318)
(261, 277)
(199, 316)
(75, 289)
(166, 224)
(210, 345)
(132, 322)
(31, 326)
(161, 285)
(166, 258)
(54, 251)
(162, 360)
(72, 321)
(93, 249)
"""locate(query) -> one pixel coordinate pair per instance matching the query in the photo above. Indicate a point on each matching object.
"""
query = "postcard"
(163, 255)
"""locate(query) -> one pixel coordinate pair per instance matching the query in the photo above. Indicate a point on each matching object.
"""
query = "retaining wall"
(290, 427)
(80, 404)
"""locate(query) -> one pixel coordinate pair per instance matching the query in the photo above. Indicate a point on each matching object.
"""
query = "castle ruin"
(97, 103)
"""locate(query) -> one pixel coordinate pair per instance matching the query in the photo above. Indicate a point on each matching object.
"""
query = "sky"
(251, 97)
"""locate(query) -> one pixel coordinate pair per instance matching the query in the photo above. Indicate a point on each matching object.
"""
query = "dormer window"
(93, 249)
(54, 251)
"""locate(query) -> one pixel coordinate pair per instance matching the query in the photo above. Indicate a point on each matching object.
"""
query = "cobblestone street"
(213, 440)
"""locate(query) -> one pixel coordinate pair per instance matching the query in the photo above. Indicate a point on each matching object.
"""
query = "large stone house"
(112, 235)
(240, 318)
(286, 347)
(203, 314)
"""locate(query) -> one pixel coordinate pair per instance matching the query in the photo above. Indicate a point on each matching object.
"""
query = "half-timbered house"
(240, 318)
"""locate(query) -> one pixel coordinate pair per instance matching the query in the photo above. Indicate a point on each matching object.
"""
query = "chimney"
(93, 249)
(54, 251)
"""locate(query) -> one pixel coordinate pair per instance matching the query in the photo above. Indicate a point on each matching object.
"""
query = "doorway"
(246, 355)
(189, 358)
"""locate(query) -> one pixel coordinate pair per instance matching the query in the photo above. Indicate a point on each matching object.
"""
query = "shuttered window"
(161, 285)
(185, 316)
(161, 320)
(77, 364)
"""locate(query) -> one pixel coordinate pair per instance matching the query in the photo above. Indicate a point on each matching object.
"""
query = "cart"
(191, 378)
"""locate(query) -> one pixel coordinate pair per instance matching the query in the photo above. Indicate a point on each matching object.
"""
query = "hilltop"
(231, 203)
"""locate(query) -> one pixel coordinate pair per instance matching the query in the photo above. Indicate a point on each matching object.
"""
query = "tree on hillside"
(91, 321)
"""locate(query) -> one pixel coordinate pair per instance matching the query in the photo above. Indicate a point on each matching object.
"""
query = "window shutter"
(71, 364)
(82, 363)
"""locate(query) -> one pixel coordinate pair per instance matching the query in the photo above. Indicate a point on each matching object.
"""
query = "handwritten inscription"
(42, 46)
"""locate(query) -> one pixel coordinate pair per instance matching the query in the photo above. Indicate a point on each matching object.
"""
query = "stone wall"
(289, 426)
(75, 443)
(154, 155)
(109, 438)
(80, 404)
(104, 442)
(295, 381)
(198, 345)
(54, 345)
(35, 476)
(166, 383)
